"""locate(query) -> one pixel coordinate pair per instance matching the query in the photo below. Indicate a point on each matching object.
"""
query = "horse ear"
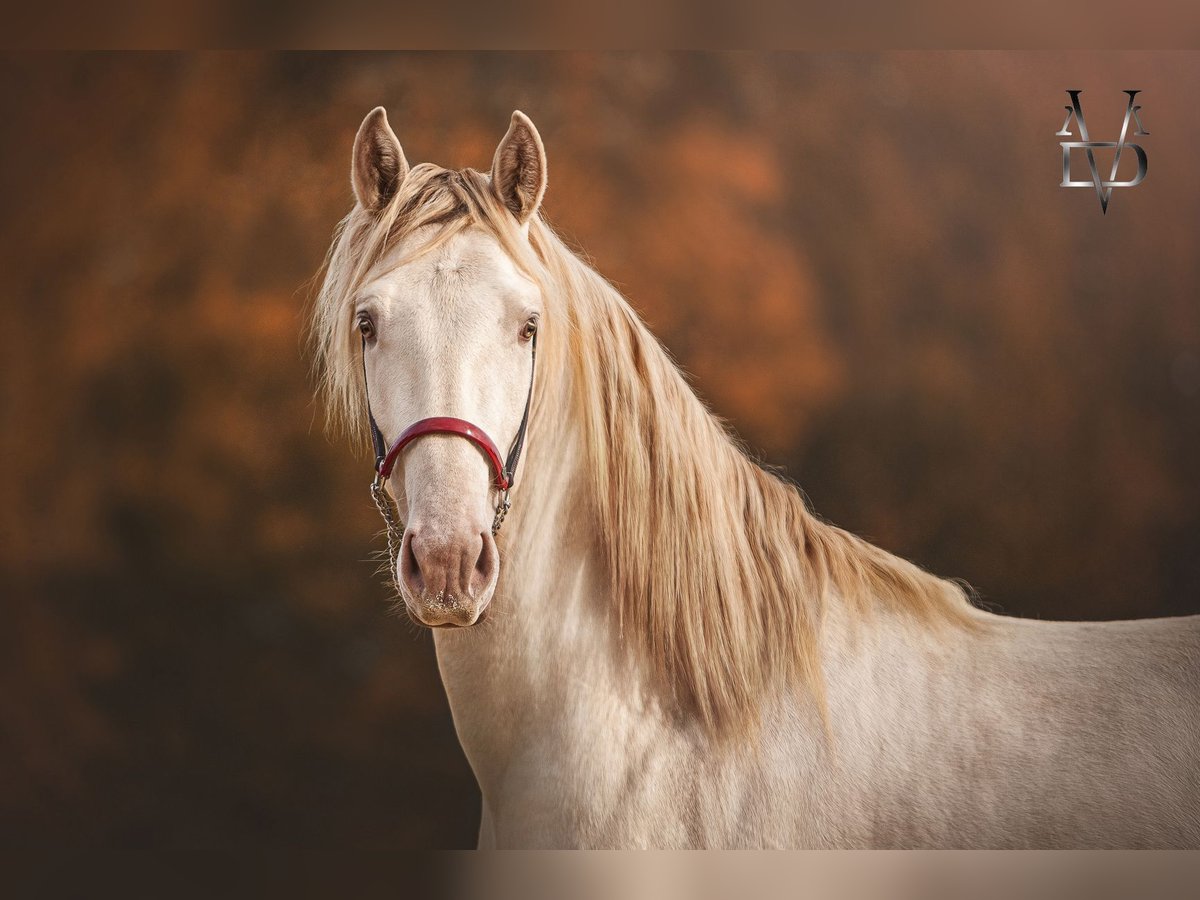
(378, 166)
(519, 168)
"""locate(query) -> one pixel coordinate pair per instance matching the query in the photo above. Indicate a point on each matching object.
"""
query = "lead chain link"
(395, 528)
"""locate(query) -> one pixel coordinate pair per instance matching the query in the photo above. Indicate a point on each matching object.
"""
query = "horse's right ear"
(378, 166)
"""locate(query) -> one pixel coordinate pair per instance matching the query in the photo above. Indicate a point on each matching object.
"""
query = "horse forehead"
(466, 274)
(474, 260)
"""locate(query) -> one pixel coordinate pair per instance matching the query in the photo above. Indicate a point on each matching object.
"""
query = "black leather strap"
(514, 455)
(377, 440)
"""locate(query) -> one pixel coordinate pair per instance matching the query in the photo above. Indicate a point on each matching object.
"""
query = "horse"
(659, 644)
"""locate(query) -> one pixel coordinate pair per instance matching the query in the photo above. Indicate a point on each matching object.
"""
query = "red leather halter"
(447, 425)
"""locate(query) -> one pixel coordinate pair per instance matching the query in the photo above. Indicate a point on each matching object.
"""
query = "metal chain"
(395, 528)
(502, 509)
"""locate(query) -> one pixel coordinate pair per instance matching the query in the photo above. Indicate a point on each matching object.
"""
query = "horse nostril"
(410, 568)
(485, 565)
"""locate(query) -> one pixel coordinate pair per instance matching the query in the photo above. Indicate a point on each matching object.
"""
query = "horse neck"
(549, 642)
(546, 690)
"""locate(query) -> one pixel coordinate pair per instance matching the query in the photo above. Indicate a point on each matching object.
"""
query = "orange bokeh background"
(865, 261)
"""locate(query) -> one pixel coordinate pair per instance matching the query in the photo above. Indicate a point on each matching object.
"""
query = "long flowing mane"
(719, 570)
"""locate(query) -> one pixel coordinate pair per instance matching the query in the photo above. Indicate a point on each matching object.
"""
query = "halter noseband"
(385, 457)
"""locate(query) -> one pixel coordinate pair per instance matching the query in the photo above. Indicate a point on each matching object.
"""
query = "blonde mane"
(719, 571)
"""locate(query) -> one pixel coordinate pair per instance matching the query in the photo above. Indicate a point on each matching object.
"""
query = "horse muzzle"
(447, 578)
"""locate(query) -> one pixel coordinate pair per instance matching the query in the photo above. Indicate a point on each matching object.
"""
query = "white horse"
(667, 649)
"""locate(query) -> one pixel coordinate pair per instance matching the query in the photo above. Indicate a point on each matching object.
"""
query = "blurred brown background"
(866, 262)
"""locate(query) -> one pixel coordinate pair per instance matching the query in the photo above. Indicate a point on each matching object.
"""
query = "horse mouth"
(446, 624)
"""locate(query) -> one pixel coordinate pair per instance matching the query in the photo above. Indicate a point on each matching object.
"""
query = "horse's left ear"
(519, 168)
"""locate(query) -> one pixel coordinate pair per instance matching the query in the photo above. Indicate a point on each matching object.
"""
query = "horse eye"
(366, 327)
(529, 330)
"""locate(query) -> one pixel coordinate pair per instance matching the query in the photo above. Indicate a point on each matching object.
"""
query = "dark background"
(865, 261)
